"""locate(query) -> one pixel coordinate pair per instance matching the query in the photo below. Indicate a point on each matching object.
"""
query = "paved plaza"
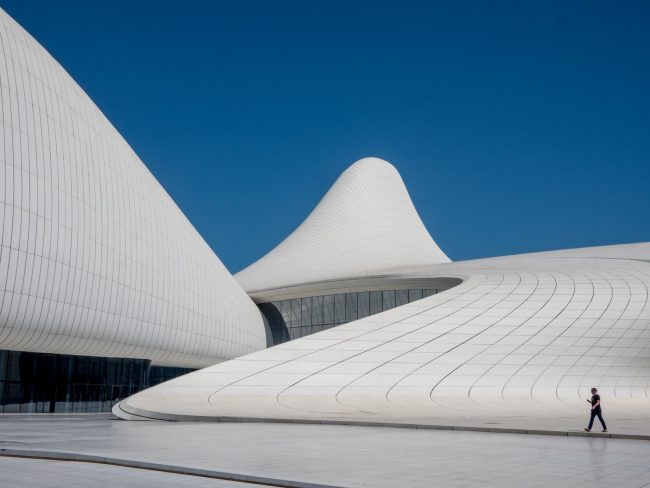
(59, 474)
(330, 455)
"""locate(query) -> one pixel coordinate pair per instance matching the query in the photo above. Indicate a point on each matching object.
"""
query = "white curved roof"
(364, 225)
(521, 339)
(95, 257)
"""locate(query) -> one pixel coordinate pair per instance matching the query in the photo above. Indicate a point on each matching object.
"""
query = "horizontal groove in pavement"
(165, 468)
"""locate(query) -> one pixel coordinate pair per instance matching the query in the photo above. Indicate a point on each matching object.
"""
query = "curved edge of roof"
(365, 224)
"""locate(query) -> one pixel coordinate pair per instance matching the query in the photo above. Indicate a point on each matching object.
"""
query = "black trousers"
(597, 413)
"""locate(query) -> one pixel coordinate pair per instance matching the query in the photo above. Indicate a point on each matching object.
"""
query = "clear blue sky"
(517, 126)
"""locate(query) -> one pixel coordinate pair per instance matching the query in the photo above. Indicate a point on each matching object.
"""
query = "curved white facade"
(95, 257)
(365, 225)
(522, 337)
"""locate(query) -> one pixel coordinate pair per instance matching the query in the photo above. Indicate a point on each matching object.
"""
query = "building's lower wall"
(34, 382)
(299, 317)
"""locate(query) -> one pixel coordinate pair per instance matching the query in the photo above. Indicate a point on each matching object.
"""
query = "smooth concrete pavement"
(339, 455)
(36, 473)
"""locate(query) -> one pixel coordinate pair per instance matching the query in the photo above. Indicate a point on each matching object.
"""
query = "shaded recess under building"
(298, 317)
(48, 383)
(304, 309)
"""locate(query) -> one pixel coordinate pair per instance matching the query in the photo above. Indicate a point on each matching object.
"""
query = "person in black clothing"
(596, 410)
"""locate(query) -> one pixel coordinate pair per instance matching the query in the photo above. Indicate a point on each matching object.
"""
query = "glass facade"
(35, 382)
(299, 317)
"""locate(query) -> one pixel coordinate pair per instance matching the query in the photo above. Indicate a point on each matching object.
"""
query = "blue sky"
(517, 126)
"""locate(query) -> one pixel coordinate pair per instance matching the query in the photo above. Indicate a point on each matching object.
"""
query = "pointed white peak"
(364, 225)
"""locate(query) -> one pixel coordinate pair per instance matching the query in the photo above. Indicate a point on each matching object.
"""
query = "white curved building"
(365, 224)
(342, 263)
(95, 257)
(522, 337)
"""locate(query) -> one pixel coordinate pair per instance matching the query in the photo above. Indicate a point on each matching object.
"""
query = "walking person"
(596, 410)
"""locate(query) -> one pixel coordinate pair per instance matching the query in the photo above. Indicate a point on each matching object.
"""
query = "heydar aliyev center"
(107, 289)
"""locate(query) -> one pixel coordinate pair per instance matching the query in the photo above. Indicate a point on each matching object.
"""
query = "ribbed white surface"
(524, 336)
(95, 257)
(364, 225)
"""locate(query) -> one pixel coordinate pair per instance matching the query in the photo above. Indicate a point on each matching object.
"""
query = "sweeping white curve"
(364, 225)
(520, 342)
(95, 257)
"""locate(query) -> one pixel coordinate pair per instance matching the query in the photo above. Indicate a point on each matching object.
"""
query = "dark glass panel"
(414, 295)
(295, 313)
(351, 311)
(375, 302)
(285, 310)
(306, 310)
(317, 311)
(328, 309)
(388, 299)
(275, 318)
(363, 304)
(339, 309)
